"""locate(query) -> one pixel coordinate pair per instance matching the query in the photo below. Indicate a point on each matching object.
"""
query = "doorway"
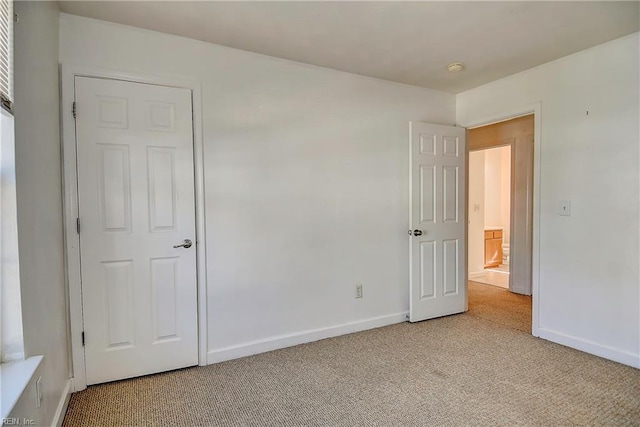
(136, 226)
(500, 221)
(489, 215)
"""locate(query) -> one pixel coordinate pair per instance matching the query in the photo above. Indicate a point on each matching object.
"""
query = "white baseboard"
(58, 418)
(591, 347)
(476, 274)
(289, 340)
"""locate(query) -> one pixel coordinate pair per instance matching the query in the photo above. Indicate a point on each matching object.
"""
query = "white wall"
(589, 271)
(306, 181)
(497, 177)
(505, 189)
(492, 193)
(39, 198)
(476, 208)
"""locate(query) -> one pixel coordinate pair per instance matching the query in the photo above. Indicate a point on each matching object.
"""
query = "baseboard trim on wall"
(591, 347)
(289, 340)
(475, 274)
(58, 418)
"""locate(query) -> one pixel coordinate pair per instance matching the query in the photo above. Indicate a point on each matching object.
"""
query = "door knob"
(415, 232)
(186, 243)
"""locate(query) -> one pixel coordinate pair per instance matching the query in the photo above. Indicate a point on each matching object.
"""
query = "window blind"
(6, 53)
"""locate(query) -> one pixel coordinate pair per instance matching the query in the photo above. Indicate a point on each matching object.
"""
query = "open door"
(437, 236)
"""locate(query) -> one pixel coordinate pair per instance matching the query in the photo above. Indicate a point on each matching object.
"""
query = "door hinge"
(78, 225)
(83, 338)
(73, 109)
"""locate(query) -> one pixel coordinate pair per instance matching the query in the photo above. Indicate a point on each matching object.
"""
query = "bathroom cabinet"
(492, 247)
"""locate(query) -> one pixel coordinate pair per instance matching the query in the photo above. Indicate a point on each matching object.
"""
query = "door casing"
(520, 225)
(70, 208)
(536, 110)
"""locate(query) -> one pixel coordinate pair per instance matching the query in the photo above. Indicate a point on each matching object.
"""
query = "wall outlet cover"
(39, 395)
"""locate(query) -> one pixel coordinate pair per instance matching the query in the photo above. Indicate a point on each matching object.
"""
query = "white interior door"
(136, 204)
(437, 221)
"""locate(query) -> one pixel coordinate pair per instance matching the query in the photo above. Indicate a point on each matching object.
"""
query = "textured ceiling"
(407, 42)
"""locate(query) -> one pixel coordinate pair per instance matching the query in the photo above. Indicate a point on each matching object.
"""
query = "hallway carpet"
(456, 370)
(501, 306)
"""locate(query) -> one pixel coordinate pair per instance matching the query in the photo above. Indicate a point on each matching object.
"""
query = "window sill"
(15, 377)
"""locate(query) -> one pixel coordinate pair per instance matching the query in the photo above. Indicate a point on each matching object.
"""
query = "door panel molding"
(70, 200)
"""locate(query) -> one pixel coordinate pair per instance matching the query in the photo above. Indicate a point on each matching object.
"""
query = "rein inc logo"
(18, 422)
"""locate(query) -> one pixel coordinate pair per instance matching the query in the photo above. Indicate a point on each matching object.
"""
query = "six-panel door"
(136, 202)
(437, 191)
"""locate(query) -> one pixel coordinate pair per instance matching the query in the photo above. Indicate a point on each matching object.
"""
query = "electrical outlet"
(358, 291)
(39, 392)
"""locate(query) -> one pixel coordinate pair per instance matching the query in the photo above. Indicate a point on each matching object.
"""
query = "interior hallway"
(498, 305)
(493, 277)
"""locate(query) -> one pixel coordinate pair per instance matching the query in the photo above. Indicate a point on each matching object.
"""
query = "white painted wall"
(476, 212)
(306, 181)
(505, 189)
(492, 188)
(39, 197)
(589, 294)
(497, 184)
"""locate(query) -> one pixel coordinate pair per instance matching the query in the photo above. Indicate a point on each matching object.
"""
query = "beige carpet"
(457, 370)
(500, 306)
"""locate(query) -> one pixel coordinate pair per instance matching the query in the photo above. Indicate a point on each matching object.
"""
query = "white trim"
(58, 418)
(15, 377)
(289, 340)
(591, 347)
(68, 74)
(475, 274)
(536, 109)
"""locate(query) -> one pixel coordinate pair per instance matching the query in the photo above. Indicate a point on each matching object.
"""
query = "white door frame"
(70, 201)
(534, 109)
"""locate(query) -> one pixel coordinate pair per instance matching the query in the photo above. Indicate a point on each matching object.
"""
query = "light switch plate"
(564, 208)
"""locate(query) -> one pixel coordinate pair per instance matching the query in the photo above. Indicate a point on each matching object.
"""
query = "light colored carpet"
(457, 370)
(500, 306)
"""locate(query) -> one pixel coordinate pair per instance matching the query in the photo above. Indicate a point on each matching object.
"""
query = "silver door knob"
(415, 232)
(186, 243)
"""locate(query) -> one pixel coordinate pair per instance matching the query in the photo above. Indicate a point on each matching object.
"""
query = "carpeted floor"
(456, 370)
(499, 305)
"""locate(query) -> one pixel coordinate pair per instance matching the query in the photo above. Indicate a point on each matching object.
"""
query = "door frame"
(70, 207)
(535, 109)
